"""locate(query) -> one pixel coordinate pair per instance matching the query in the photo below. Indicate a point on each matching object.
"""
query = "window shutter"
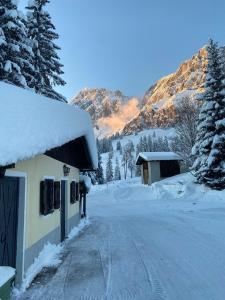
(72, 192)
(57, 194)
(43, 198)
(50, 189)
(47, 196)
(77, 191)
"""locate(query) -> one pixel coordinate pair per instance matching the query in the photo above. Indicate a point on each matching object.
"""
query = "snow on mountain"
(110, 110)
(113, 112)
(160, 100)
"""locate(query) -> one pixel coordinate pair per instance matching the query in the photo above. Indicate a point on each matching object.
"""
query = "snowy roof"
(31, 124)
(154, 156)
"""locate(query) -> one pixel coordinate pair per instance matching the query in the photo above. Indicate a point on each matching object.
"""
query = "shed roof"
(156, 156)
(31, 124)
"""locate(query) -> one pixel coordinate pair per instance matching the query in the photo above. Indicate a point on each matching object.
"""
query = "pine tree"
(109, 170)
(117, 174)
(209, 148)
(118, 146)
(15, 51)
(131, 164)
(138, 167)
(47, 67)
(99, 171)
(2, 52)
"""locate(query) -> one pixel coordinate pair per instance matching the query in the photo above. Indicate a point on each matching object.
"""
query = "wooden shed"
(158, 165)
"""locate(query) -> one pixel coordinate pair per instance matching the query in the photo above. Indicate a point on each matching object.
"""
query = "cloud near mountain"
(116, 121)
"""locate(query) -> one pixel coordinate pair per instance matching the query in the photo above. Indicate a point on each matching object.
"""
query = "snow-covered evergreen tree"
(109, 169)
(2, 52)
(118, 146)
(41, 31)
(131, 164)
(117, 174)
(209, 148)
(99, 171)
(15, 51)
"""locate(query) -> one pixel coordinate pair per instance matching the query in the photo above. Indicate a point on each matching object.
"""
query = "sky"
(129, 44)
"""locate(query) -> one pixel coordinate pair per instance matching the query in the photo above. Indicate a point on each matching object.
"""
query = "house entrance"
(63, 210)
(9, 204)
(145, 173)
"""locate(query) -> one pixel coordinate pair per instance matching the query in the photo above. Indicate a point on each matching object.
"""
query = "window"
(72, 192)
(47, 197)
(77, 191)
(57, 194)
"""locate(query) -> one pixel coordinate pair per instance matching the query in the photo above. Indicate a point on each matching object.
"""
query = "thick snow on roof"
(31, 124)
(152, 156)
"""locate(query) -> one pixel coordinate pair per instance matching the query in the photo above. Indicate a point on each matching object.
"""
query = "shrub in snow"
(209, 165)
(87, 182)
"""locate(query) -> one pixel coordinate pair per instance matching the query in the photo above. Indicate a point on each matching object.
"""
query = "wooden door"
(63, 210)
(9, 203)
(145, 173)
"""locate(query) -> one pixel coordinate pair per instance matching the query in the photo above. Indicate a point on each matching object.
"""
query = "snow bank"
(76, 230)
(5, 274)
(48, 257)
(184, 187)
(31, 124)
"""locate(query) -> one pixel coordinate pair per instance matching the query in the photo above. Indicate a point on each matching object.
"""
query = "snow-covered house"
(158, 165)
(44, 144)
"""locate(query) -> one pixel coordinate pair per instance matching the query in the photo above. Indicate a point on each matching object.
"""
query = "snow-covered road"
(141, 245)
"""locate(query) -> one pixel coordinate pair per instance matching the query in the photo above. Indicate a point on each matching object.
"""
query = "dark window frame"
(72, 192)
(47, 197)
(57, 194)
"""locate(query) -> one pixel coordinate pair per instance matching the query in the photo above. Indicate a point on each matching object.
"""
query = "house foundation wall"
(53, 237)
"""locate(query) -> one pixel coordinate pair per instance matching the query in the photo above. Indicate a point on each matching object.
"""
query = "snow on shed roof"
(31, 124)
(153, 156)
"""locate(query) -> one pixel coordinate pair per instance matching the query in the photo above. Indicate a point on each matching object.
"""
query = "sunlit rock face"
(159, 101)
(112, 112)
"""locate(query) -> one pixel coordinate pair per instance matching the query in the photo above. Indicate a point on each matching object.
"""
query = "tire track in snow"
(157, 291)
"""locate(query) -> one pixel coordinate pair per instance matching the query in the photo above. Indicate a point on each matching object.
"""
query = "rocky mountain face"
(100, 103)
(160, 100)
(110, 110)
(114, 112)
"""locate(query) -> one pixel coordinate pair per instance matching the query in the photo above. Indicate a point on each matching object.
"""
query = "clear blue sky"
(129, 44)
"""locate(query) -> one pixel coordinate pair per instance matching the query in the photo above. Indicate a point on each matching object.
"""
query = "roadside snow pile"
(76, 230)
(184, 186)
(48, 257)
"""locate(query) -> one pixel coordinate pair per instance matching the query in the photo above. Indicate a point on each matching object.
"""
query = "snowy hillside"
(110, 110)
(156, 133)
